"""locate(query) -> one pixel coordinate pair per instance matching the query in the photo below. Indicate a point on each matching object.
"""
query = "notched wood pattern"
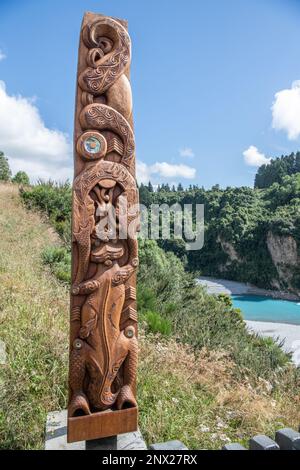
(103, 322)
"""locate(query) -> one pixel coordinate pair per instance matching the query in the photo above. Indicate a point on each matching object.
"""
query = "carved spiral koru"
(108, 56)
(101, 117)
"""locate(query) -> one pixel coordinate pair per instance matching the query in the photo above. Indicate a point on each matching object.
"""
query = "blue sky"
(204, 78)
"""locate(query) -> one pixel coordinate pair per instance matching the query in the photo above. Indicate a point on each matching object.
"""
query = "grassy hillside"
(204, 393)
(34, 324)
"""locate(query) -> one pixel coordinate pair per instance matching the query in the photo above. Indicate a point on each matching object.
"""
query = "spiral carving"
(100, 117)
(108, 56)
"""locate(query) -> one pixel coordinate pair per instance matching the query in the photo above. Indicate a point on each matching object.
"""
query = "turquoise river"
(259, 308)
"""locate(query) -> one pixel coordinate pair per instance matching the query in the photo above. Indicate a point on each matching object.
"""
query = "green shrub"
(54, 200)
(21, 178)
(157, 324)
(146, 298)
(59, 260)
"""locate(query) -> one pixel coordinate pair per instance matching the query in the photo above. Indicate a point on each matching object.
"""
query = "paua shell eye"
(91, 145)
(77, 344)
(129, 332)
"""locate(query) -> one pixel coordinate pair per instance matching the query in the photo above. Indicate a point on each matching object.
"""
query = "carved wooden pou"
(103, 324)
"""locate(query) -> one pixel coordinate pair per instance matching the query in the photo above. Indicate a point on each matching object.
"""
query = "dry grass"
(198, 399)
(181, 396)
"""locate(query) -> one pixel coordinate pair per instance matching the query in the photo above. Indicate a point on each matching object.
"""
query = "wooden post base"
(103, 424)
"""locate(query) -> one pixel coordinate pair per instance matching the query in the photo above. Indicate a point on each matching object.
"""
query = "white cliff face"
(283, 249)
(284, 254)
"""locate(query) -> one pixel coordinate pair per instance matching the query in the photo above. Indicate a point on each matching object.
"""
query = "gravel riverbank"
(223, 286)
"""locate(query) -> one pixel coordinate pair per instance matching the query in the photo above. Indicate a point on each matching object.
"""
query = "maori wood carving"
(103, 323)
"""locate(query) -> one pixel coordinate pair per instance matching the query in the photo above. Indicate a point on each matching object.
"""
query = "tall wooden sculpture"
(103, 331)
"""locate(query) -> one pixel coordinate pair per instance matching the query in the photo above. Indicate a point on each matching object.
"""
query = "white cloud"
(173, 171)
(40, 170)
(286, 111)
(186, 152)
(2, 55)
(28, 143)
(142, 172)
(163, 169)
(253, 157)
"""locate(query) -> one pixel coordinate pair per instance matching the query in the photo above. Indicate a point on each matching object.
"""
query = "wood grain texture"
(102, 424)
(103, 321)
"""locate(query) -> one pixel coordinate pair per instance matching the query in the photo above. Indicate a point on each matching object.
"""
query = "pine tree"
(150, 187)
(144, 195)
(297, 162)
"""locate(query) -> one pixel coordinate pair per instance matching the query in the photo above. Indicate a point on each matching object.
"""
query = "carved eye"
(92, 145)
(129, 332)
(135, 262)
(77, 344)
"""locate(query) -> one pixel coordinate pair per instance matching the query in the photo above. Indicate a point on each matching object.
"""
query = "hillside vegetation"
(202, 378)
(277, 169)
(169, 301)
(33, 319)
(251, 235)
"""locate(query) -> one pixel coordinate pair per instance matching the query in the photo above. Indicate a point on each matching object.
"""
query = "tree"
(179, 187)
(21, 178)
(144, 195)
(276, 170)
(150, 187)
(297, 162)
(5, 172)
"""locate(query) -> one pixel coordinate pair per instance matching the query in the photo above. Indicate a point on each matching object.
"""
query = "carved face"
(105, 215)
